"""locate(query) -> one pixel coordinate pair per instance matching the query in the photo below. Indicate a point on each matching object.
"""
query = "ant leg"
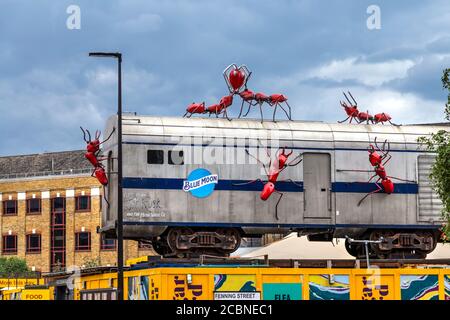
(370, 193)
(292, 181)
(397, 125)
(248, 110)
(275, 111)
(352, 170)
(290, 164)
(344, 120)
(261, 112)
(104, 197)
(248, 182)
(276, 206)
(242, 107)
(225, 114)
(267, 153)
(185, 114)
(287, 115)
(388, 157)
(290, 111)
(259, 161)
(411, 181)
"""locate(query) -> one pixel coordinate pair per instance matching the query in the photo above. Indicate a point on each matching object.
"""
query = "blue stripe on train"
(230, 185)
(364, 187)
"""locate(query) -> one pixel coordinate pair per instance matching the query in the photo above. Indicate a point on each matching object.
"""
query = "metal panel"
(317, 185)
(430, 205)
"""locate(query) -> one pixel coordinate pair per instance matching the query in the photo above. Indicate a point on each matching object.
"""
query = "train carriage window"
(176, 157)
(155, 156)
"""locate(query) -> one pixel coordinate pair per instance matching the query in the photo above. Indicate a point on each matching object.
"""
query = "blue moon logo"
(200, 183)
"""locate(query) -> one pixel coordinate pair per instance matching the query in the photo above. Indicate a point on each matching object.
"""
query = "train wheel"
(161, 247)
(375, 247)
(352, 248)
(173, 238)
(233, 239)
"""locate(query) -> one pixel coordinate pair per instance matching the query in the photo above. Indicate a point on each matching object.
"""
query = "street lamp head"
(106, 54)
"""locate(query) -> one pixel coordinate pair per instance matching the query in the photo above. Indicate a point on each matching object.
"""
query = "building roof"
(43, 164)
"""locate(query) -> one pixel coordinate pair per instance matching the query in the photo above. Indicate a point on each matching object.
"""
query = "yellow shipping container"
(264, 283)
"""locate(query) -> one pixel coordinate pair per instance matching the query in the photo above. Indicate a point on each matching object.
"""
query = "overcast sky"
(175, 52)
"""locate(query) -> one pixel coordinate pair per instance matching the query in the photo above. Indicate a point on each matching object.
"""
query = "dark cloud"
(175, 51)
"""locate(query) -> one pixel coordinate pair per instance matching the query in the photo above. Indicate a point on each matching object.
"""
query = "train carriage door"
(317, 185)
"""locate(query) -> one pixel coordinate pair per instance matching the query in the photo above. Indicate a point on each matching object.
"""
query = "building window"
(34, 206)
(82, 241)
(176, 157)
(33, 243)
(107, 244)
(9, 244)
(155, 156)
(83, 203)
(10, 207)
(142, 245)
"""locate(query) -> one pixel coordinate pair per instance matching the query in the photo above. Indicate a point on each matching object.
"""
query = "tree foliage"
(440, 172)
(13, 265)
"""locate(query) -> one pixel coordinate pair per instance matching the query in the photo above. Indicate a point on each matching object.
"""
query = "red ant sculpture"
(92, 154)
(382, 118)
(195, 108)
(217, 109)
(378, 161)
(351, 109)
(236, 78)
(275, 169)
(222, 106)
(353, 113)
(259, 98)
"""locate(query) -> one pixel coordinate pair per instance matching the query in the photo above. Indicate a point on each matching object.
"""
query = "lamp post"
(119, 222)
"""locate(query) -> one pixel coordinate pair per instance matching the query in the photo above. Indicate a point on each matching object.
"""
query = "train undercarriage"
(189, 242)
(383, 244)
(394, 244)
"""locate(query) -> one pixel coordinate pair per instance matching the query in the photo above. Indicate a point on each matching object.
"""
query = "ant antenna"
(112, 131)
(84, 135)
(347, 98)
(356, 103)
(89, 134)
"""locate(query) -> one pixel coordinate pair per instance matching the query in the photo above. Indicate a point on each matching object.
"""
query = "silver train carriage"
(185, 187)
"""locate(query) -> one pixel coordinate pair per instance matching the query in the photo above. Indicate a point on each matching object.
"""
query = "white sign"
(195, 184)
(237, 295)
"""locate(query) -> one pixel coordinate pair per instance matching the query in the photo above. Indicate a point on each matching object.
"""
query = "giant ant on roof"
(351, 109)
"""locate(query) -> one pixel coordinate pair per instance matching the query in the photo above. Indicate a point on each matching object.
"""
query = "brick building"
(50, 211)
